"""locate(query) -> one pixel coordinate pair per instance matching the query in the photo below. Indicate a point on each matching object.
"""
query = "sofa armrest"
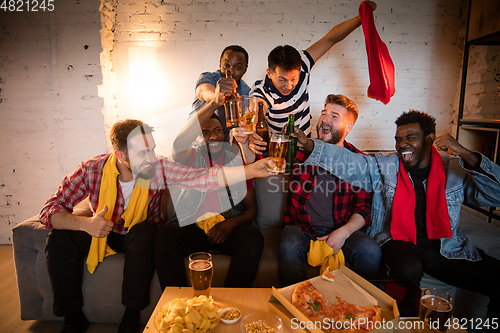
(28, 240)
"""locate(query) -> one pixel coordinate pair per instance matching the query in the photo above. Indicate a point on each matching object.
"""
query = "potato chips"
(188, 315)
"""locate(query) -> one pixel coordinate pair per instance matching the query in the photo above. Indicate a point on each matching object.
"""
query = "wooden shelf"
(483, 19)
(491, 39)
(482, 139)
(488, 123)
(482, 135)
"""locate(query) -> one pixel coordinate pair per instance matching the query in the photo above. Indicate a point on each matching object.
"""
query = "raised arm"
(205, 92)
(483, 183)
(335, 35)
(191, 129)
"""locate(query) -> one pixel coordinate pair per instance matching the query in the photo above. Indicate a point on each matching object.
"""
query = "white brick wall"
(54, 117)
(51, 114)
(482, 98)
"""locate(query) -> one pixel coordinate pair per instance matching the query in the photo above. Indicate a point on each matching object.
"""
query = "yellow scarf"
(208, 220)
(136, 212)
(322, 254)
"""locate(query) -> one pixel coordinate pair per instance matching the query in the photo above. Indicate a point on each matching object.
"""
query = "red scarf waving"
(403, 207)
(380, 65)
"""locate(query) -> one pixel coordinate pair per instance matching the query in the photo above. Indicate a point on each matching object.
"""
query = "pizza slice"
(308, 300)
(328, 276)
(341, 317)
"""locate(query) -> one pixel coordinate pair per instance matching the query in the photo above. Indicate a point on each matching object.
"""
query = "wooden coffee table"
(248, 300)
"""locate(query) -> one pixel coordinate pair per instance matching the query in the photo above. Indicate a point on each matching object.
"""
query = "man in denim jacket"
(469, 177)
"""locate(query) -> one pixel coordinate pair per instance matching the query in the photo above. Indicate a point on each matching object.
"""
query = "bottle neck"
(290, 125)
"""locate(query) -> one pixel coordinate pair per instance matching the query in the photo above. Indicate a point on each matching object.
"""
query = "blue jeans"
(362, 254)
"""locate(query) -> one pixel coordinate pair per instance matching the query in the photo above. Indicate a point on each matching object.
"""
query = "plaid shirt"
(347, 200)
(86, 180)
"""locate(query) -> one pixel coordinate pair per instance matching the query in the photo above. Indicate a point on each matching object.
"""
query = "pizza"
(340, 317)
(328, 276)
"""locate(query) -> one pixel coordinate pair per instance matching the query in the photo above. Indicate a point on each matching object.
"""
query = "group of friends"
(399, 210)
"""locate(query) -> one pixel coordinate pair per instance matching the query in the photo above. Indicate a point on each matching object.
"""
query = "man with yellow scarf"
(124, 188)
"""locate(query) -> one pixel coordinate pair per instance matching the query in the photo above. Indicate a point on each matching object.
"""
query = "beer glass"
(201, 273)
(278, 146)
(247, 113)
(435, 309)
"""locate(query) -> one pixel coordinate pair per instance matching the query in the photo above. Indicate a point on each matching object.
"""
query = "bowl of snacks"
(230, 315)
(261, 322)
(198, 314)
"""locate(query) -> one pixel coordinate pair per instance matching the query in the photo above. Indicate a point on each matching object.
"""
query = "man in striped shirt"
(71, 236)
(285, 89)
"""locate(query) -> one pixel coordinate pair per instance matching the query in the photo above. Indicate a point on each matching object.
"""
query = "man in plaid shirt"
(69, 241)
(322, 207)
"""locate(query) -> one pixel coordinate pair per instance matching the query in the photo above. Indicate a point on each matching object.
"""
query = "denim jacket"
(379, 174)
(190, 200)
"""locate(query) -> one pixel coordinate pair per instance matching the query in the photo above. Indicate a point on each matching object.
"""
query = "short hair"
(345, 102)
(235, 48)
(285, 57)
(121, 131)
(215, 116)
(427, 122)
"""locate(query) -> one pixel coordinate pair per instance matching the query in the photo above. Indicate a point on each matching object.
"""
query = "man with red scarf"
(416, 204)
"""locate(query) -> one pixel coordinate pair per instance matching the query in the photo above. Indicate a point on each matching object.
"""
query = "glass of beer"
(247, 113)
(435, 309)
(278, 146)
(201, 273)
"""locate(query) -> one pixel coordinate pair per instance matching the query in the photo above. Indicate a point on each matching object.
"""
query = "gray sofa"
(102, 290)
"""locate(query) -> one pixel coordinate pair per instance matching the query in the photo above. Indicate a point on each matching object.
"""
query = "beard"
(415, 161)
(335, 136)
(144, 173)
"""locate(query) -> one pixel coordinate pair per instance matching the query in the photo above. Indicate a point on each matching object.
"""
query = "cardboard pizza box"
(351, 288)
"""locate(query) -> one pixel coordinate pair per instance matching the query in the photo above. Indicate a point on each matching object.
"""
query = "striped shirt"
(297, 102)
(86, 181)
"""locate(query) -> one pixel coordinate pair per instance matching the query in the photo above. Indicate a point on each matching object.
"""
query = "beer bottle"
(231, 106)
(292, 147)
(261, 126)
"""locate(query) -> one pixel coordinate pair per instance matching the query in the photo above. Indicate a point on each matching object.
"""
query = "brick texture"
(51, 112)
